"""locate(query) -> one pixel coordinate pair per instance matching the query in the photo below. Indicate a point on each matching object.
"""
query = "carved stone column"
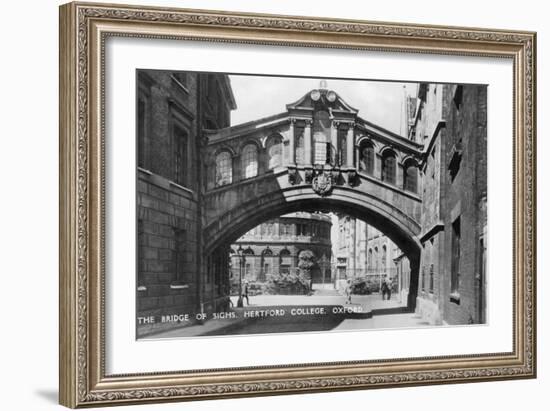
(350, 143)
(291, 145)
(334, 143)
(307, 143)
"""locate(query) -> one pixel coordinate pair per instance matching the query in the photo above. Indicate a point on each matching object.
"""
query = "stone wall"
(454, 194)
(465, 139)
(173, 109)
(168, 249)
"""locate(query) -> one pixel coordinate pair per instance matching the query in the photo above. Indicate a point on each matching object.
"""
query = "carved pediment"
(322, 99)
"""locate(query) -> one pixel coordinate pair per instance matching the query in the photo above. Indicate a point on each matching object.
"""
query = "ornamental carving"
(353, 178)
(292, 175)
(309, 175)
(322, 184)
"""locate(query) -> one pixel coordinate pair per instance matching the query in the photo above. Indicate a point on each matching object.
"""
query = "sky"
(260, 96)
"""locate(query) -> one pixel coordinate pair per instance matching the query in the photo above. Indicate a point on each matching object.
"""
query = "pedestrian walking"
(386, 288)
(383, 287)
(348, 292)
(245, 293)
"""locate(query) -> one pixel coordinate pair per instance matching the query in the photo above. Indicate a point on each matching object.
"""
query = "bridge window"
(275, 151)
(389, 163)
(250, 161)
(410, 177)
(321, 135)
(224, 169)
(366, 162)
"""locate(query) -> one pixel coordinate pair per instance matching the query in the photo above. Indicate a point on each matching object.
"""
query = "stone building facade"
(173, 110)
(350, 256)
(451, 123)
(363, 251)
(274, 247)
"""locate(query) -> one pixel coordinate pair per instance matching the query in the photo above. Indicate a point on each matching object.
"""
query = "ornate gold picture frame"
(85, 380)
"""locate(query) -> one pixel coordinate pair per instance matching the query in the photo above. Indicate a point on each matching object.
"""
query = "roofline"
(234, 131)
(400, 139)
(294, 105)
(255, 125)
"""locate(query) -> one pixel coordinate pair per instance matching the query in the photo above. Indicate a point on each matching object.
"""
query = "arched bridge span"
(318, 155)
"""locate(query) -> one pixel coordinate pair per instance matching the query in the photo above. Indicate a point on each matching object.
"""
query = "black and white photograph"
(278, 204)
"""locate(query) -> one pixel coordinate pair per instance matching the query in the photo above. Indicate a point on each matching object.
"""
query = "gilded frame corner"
(83, 29)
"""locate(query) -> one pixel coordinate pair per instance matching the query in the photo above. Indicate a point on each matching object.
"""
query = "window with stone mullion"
(410, 178)
(367, 160)
(224, 169)
(274, 151)
(388, 168)
(250, 161)
(181, 164)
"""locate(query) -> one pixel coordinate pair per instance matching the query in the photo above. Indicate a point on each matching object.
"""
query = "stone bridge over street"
(318, 155)
(232, 210)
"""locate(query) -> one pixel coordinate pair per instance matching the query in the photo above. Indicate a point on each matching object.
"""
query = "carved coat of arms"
(322, 184)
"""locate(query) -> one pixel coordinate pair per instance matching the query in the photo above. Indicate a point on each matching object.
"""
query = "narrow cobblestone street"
(386, 314)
